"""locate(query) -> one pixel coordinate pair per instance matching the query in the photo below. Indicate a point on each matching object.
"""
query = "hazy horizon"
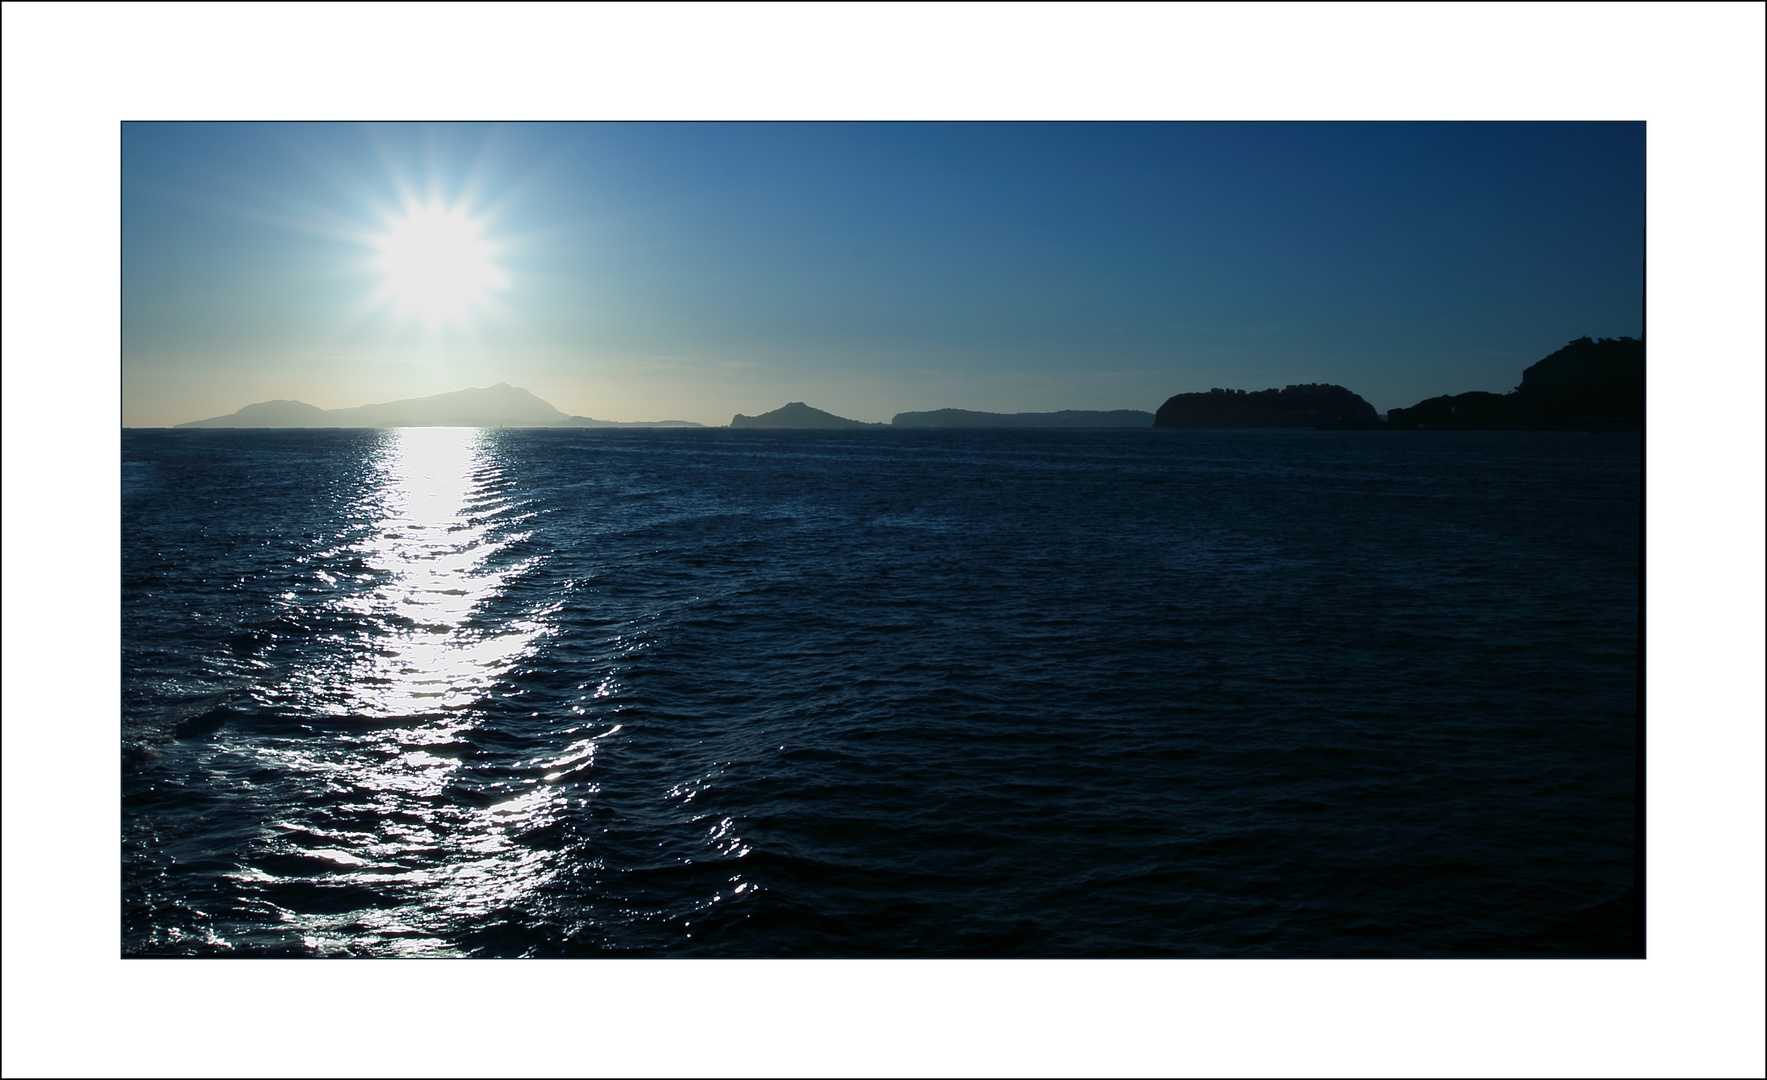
(563, 417)
(696, 271)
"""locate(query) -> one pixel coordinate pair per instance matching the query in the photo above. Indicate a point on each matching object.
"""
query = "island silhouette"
(798, 416)
(1590, 384)
(1308, 405)
(501, 405)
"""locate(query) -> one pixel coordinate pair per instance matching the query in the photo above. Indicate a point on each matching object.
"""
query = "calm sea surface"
(744, 693)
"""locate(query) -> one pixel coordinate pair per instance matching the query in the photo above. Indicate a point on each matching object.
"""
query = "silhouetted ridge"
(798, 415)
(1305, 406)
(281, 413)
(1066, 418)
(1588, 384)
(501, 405)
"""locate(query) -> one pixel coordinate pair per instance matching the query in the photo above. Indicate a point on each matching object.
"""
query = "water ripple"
(527, 693)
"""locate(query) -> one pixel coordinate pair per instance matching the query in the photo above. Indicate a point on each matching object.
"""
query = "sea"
(452, 692)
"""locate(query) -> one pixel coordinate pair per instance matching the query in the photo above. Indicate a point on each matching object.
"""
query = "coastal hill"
(798, 415)
(1308, 405)
(1066, 418)
(502, 405)
(281, 413)
(1587, 385)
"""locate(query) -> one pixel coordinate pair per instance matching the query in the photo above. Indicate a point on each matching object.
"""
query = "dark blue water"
(741, 693)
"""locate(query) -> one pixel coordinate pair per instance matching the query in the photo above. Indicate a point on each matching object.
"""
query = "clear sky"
(693, 271)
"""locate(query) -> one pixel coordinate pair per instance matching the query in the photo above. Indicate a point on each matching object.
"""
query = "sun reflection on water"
(400, 820)
(421, 780)
(432, 546)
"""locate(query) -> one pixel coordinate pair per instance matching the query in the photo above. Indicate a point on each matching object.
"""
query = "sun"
(437, 264)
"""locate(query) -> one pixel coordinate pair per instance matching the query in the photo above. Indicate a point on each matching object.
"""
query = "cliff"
(1587, 385)
(1308, 405)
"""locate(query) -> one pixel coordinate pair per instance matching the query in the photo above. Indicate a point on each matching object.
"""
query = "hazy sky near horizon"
(693, 271)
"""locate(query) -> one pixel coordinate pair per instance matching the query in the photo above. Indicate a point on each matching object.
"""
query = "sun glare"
(437, 264)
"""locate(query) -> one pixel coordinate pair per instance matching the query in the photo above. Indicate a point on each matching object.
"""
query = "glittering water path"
(447, 691)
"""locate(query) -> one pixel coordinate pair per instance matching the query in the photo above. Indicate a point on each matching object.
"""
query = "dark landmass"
(273, 414)
(1588, 385)
(502, 405)
(591, 422)
(1308, 405)
(1066, 418)
(798, 415)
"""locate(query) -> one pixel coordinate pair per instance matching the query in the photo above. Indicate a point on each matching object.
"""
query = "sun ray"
(437, 264)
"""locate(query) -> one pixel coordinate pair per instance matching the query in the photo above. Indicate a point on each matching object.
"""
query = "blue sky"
(693, 271)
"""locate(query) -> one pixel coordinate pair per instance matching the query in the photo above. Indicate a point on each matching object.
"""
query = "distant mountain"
(798, 415)
(502, 405)
(271, 414)
(591, 422)
(1588, 384)
(1304, 406)
(1066, 418)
